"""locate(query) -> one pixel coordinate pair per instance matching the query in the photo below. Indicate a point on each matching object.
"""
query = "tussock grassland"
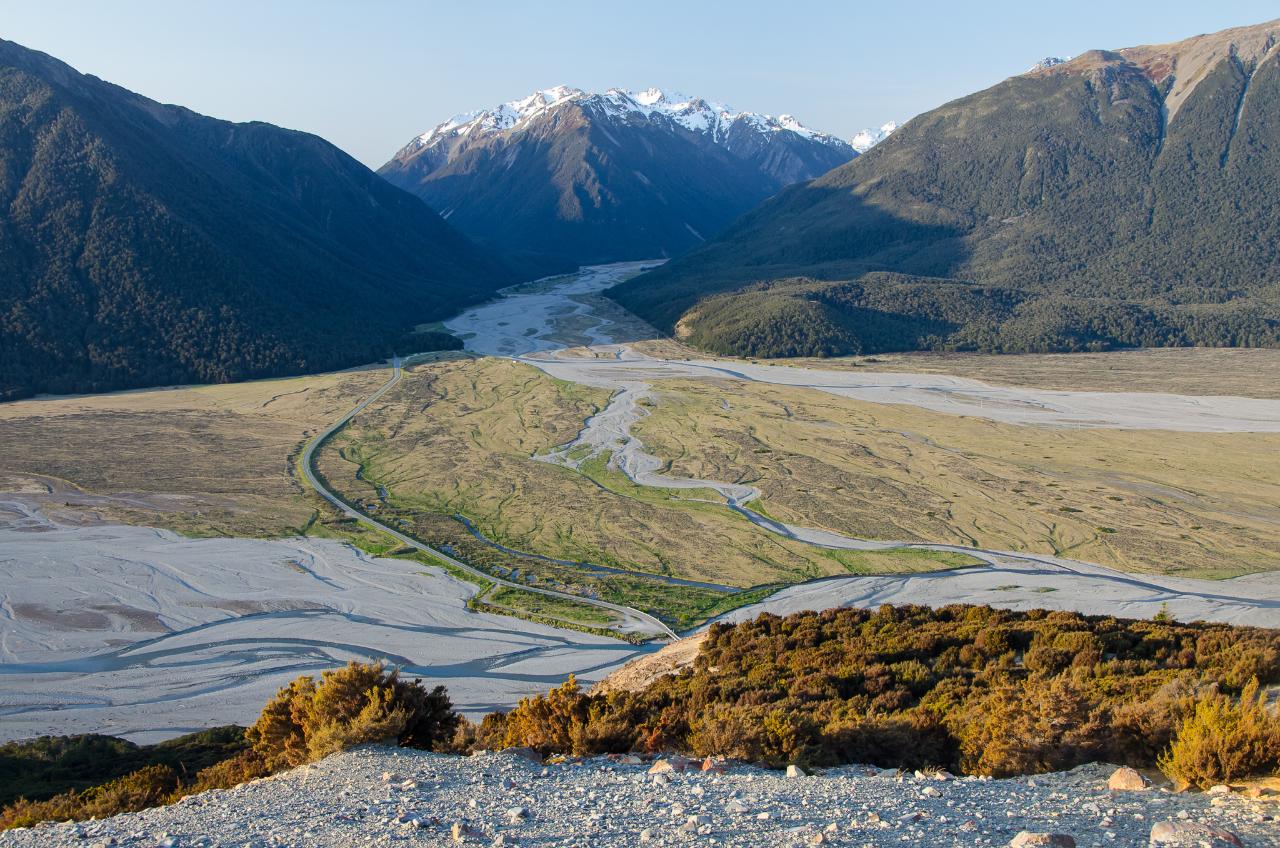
(204, 460)
(457, 437)
(1198, 504)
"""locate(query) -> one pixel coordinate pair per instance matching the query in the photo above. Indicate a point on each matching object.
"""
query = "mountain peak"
(869, 138)
(697, 114)
(1048, 62)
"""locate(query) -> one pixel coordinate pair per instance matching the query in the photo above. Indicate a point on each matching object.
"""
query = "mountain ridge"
(1116, 199)
(147, 244)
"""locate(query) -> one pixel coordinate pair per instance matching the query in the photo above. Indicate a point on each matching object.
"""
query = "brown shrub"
(351, 706)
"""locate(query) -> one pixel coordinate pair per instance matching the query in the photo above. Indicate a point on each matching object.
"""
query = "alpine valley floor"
(569, 449)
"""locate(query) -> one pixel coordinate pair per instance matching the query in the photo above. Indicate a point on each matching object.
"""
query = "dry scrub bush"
(144, 788)
(1225, 740)
(306, 720)
(362, 703)
(973, 689)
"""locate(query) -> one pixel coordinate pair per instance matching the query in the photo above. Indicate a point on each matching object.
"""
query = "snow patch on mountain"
(696, 114)
(869, 138)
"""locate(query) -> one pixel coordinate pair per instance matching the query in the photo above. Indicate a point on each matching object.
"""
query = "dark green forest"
(143, 244)
(1053, 212)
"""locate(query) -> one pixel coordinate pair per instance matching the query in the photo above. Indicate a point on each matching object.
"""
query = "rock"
(461, 831)
(516, 815)
(1220, 789)
(1125, 779)
(736, 807)
(629, 760)
(1027, 839)
(794, 770)
(646, 835)
(526, 754)
(502, 840)
(661, 779)
(1185, 834)
(391, 777)
(715, 766)
(931, 792)
(699, 820)
(669, 764)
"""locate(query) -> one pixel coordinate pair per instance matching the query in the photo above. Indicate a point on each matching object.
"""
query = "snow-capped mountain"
(869, 138)
(1048, 62)
(712, 119)
(564, 176)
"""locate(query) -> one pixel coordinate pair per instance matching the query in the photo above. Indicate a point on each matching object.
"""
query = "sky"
(370, 76)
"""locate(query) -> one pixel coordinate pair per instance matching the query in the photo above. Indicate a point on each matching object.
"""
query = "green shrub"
(1224, 740)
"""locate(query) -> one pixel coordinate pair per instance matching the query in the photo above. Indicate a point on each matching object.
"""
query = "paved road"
(640, 621)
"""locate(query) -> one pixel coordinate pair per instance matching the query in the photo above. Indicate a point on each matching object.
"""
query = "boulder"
(669, 764)
(1187, 834)
(526, 753)
(1027, 839)
(794, 770)
(1125, 779)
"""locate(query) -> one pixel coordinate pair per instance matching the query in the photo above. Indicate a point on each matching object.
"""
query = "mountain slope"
(143, 244)
(564, 178)
(1121, 198)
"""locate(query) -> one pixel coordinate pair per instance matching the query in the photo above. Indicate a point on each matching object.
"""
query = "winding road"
(633, 620)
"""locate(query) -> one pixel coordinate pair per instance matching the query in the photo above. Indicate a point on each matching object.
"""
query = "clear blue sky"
(369, 76)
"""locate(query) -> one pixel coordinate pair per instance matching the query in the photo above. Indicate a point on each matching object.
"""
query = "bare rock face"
(1186, 834)
(1028, 839)
(1125, 779)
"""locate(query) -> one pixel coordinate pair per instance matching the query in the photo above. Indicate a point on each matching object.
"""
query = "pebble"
(376, 796)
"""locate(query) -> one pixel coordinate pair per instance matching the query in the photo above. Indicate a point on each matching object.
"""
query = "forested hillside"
(144, 244)
(1123, 198)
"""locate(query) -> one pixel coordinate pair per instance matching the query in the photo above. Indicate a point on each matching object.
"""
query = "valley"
(569, 451)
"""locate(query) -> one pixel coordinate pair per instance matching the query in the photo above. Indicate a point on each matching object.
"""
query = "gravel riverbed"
(387, 796)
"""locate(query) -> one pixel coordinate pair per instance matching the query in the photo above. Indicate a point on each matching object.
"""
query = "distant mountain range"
(143, 244)
(565, 177)
(1127, 197)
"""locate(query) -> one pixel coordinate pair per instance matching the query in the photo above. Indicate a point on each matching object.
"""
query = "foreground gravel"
(386, 796)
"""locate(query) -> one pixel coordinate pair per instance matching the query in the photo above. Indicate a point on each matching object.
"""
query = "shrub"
(147, 787)
(1225, 740)
(351, 706)
(970, 688)
(306, 720)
